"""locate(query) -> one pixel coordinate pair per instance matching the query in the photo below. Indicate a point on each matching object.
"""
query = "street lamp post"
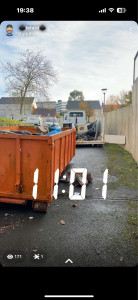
(104, 91)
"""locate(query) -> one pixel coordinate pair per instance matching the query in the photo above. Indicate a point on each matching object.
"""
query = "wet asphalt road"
(96, 232)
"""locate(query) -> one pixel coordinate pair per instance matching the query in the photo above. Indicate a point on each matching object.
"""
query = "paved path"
(96, 232)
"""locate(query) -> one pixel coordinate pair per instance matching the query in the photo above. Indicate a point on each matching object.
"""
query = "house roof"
(93, 104)
(45, 102)
(15, 100)
(44, 112)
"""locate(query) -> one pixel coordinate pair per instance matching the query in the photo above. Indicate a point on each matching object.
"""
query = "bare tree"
(113, 99)
(32, 74)
(124, 97)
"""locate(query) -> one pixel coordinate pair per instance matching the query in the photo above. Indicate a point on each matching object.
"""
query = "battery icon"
(121, 10)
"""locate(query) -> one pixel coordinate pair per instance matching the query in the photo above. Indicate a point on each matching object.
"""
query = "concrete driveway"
(94, 233)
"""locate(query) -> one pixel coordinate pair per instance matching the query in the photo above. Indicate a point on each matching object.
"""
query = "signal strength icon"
(111, 9)
(102, 10)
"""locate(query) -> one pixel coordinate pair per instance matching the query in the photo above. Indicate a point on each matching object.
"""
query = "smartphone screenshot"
(68, 153)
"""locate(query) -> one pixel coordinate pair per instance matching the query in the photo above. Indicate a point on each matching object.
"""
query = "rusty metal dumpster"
(21, 155)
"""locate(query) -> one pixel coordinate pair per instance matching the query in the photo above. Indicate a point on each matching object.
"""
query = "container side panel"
(9, 128)
(28, 128)
(7, 165)
(66, 151)
(74, 143)
(70, 146)
(36, 155)
(57, 155)
(62, 155)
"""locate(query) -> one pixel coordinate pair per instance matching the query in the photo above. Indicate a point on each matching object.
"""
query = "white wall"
(124, 121)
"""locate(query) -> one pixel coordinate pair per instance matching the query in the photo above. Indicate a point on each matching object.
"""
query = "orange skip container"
(21, 155)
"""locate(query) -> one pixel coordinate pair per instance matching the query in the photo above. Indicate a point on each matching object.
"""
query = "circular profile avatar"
(9, 30)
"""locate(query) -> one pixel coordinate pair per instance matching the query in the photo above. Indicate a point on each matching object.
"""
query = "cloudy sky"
(88, 55)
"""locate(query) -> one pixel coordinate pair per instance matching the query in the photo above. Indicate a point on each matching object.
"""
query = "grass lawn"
(122, 165)
(9, 122)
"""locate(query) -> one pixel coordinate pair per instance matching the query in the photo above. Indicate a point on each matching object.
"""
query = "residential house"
(92, 108)
(59, 105)
(45, 113)
(10, 107)
(46, 104)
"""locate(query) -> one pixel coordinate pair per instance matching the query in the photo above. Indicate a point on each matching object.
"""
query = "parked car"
(51, 121)
(32, 119)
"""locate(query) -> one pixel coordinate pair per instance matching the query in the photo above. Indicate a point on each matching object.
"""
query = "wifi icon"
(111, 9)
(102, 10)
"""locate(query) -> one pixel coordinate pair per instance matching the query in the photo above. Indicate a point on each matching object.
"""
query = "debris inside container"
(92, 133)
(48, 131)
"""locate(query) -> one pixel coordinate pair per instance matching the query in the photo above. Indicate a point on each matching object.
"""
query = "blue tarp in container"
(53, 128)
(57, 130)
